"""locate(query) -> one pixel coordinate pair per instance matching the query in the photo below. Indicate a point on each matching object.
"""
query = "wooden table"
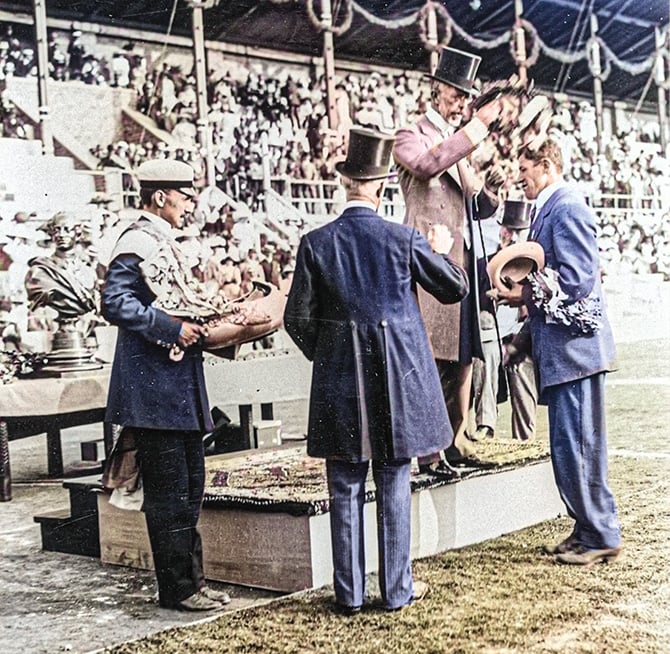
(48, 404)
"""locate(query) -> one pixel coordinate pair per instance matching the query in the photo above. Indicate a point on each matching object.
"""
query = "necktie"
(532, 233)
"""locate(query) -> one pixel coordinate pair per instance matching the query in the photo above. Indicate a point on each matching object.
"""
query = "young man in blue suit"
(375, 394)
(572, 348)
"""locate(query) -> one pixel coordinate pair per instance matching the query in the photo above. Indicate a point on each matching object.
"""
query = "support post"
(329, 60)
(5, 472)
(431, 24)
(200, 67)
(597, 83)
(520, 42)
(659, 77)
(247, 426)
(41, 39)
(54, 453)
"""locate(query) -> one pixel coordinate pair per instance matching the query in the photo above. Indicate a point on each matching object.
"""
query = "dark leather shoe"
(569, 544)
(582, 556)
(345, 609)
(440, 470)
(471, 461)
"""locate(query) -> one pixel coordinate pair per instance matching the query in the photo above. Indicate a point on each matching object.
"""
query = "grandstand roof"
(389, 32)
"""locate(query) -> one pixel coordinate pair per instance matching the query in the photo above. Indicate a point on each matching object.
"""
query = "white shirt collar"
(546, 193)
(442, 125)
(355, 204)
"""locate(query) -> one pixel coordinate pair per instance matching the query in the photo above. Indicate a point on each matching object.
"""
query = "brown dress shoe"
(217, 595)
(198, 602)
(582, 556)
(420, 591)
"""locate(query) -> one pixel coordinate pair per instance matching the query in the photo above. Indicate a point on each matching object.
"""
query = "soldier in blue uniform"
(157, 388)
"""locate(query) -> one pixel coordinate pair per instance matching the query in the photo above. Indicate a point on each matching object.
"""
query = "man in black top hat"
(441, 188)
(519, 370)
(375, 394)
(519, 373)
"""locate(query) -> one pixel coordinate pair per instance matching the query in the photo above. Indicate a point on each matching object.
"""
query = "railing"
(625, 202)
(322, 200)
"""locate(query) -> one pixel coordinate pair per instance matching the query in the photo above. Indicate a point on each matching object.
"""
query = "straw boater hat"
(163, 174)
(458, 69)
(368, 155)
(515, 261)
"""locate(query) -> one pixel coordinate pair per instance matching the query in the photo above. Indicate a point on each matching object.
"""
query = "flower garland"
(423, 25)
(663, 59)
(322, 25)
(452, 27)
(582, 318)
(15, 364)
(528, 28)
(593, 47)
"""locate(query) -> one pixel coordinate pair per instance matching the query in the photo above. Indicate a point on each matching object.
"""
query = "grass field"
(505, 595)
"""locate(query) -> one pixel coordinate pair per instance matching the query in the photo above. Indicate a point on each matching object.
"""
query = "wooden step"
(61, 532)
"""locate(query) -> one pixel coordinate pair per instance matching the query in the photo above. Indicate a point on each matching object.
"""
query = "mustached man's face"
(450, 103)
(176, 206)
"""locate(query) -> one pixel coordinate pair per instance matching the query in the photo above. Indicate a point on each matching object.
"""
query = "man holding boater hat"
(573, 348)
(375, 394)
(441, 188)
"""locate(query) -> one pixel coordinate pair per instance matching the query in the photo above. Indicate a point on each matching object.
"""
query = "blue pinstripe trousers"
(578, 441)
(346, 482)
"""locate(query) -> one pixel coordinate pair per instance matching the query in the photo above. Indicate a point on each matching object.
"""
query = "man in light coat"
(573, 348)
(441, 188)
(375, 394)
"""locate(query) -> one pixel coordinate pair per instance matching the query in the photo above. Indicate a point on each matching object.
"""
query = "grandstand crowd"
(267, 125)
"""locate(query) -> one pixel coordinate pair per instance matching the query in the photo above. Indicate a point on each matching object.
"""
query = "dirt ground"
(499, 596)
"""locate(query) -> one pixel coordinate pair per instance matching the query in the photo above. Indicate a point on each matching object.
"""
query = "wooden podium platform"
(283, 543)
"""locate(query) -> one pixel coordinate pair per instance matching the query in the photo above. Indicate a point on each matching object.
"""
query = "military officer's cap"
(166, 174)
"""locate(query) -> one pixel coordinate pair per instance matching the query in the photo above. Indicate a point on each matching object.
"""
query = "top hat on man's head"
(516, 214)
(368, 155)
(163, 174)
(458, 69)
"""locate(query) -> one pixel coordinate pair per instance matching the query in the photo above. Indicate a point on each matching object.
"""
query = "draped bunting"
(565, 57)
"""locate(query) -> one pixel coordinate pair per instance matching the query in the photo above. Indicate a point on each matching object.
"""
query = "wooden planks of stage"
(271, 548)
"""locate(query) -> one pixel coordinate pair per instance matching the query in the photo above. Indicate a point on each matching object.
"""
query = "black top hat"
(516, 214)
(458, 69)
(368, 155)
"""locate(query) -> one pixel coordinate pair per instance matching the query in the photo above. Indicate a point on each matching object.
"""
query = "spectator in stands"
(120, 70)
(439, 186)
(368, 354)
(157, 391)
(76, 53)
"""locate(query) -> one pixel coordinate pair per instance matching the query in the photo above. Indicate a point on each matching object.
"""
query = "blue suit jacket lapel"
(538, 223)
